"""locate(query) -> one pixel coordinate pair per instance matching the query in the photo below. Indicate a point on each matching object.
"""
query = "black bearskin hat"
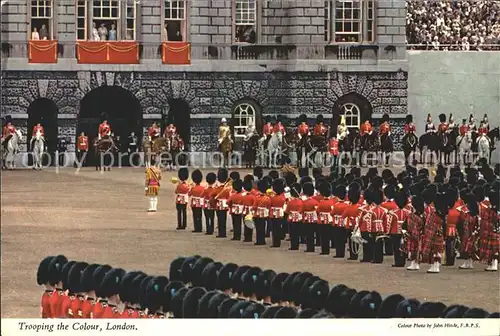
(253, 311)
(191, 302)
(8, 119)
(290, 178)
(389, 305)
(401, 199)
(196, 272)
(238, 309)
(204, 302)
(409, 118)
(177, 301)
(303, 297)
(407, 308)
(222, 175)
(209, 275)
(389, 191)
(418, 203)
(286, 312)
(258, 172)
(248, 185)
(187, 268)
(325, 189)
(319, 118)
(385, 117)
(276, 287)
(270, 312)
(377, 196)
(214, 303)
(333, 297)
(87, 281)
(263, 286)
(154, 294)
(126, 286)
(318, 293)
(175, 269)
(340, 191)
(225, 307)
(211, 178)
(308, 189)
(237, 185)
(55, 269)
(169, 292)
(279, 186)
(134, 291)
(369, 305)
(197, 176)
(302, 118)
(442, 117)
(74, 277)
(225, 276)
(234, 175)
(250, 280)
(110, 284)
(262, 186)
(183, 174)
(42, 274)
(237, 281)
(307, 313)
(287, 290)
(298, 282)
(64, 274)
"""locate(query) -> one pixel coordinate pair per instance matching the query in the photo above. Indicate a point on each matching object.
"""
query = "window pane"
(114, 12)
(106, 12)
(338, 27)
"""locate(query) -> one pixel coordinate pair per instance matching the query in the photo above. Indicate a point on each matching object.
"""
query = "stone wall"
(209, 95)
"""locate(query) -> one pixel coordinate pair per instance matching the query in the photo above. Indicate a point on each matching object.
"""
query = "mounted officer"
(37, 128)
(8, 131)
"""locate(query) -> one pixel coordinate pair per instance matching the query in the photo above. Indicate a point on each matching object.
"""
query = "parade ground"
(101, 217)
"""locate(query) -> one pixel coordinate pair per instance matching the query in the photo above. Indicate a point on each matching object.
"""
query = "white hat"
(223, 120)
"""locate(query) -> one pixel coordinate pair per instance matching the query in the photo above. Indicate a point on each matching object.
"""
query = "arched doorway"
(121, 108)
(43, 111)
(243, 112)
(179, 114)
(356, 109)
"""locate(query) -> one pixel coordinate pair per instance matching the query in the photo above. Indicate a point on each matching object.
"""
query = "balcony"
(116, 52)
(263, 52)
(351, 51)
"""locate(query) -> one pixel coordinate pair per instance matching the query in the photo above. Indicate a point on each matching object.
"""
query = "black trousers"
(221, 222)
(389, 249)
(294, 235)
(247, 234)
(237, 219)
(181, 216)
(368, 247)
(309, 232)
(399, 260)
(197, 219)
(260, 231)
(317, 235)
(79, 156)
(352, 254)
(378, 249)
(209, 220)
(340, 237)
(450, 251)
(276, 231)
(325, 231)
(268, 228)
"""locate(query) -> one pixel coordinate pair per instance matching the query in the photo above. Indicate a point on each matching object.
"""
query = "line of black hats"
(200, 287)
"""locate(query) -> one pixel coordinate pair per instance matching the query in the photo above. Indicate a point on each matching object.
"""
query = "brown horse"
(104, 152)
(154, 148)
(226, 148)
(175, 146)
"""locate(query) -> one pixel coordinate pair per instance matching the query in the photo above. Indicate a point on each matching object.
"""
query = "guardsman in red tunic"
(325, 218)
(451, 123)
(182, 198)
(127, 294)
(248, 200)
(82, 148)
(303, 128)
(452, 221)
(483, 129)
(8, 131)
(410, 126)
(153, 131)
(235, 206)
(104, 129)
(99, 302)
(55, 280)
(294, 210)
(378, 219)
(365, 128)
(261, 212)
(74, 279)
(395, 221)
(87, 287)
(470, 224)
(464, 128)
(385, 127)
(414, 229)
(351, 216)
(489, 230)
(267, 129)
(209, 207)
(220, 196)
(389, 205)
(37, 128)
(42, 278)
(339, 234)
(68, 295)
(443, 126)
(109, 290)
(197, 200)
(309, 215)
(472, 124)
(320, 129)
(432, 244)
(278, 127)
(277, 212)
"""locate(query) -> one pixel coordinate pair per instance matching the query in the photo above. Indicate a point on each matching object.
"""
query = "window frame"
(368, 24)
(121, 21)
(344, 113)
(52, 32)
(257, 24)
(184, 22)
(243, 114)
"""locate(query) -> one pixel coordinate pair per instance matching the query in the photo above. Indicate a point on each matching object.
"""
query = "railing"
(454, 47)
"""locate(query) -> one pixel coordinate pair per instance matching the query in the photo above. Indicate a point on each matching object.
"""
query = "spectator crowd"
(453, 25)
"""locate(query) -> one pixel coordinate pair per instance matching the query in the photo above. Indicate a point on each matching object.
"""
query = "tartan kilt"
(152, 191)
(489, 247)
(437, 246)
(412, 245)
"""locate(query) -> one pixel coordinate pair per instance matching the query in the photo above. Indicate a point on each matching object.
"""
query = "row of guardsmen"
(406, 215)
(200, 287)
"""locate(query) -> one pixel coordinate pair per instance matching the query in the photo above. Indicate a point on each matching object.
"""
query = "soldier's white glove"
(145, 188)
(404, 232)
(219, 141)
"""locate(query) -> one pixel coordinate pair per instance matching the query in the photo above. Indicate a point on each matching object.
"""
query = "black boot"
(399, 260)
(294, 236)
(378, 250)
(367, 247)
(325, 237)
(340, 240)
(450, 252)
(309, 235)
(276, 231)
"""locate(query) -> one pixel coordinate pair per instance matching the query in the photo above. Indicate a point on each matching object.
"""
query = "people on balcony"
(34, 34)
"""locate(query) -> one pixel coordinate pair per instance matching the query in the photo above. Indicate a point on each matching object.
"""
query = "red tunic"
(171, 129)
(46, 311)
(452, 220)
(74, 309)
(320, 129)
(8, 130)
(333, 145)
(277, 206)
(294, 209)
(267, 129)
(110, 312)
(98, 309)
(86, 308)
(365, 128)
(324, 210)
(36, 129)
(262, 206)
(377, 220)
(207, 195)
(482, 131)
(130, 313)
(443, 127)
(471, 232)
(197, 196)
(415, 228)
(309, 207)
(410, 128)
(55, 303)
(66, 302)
(351, 216)
(338, 211)
(384, 128)
(489, 237)
(83, 143)
(182, 193)
(389, 205)
(153, 131)
(303, 129)
(104, 129)
(395, 220)
(247, 200)
(235, 203)
(221, 199)
(279, 128)
(432, 242)
(463, 130)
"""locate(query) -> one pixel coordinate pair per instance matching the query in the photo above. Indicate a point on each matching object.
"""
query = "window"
(106, 21)
(41, 25)
(245, 21)
(352, 115)
(350, 21)
(174, 21)
(243, 115)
